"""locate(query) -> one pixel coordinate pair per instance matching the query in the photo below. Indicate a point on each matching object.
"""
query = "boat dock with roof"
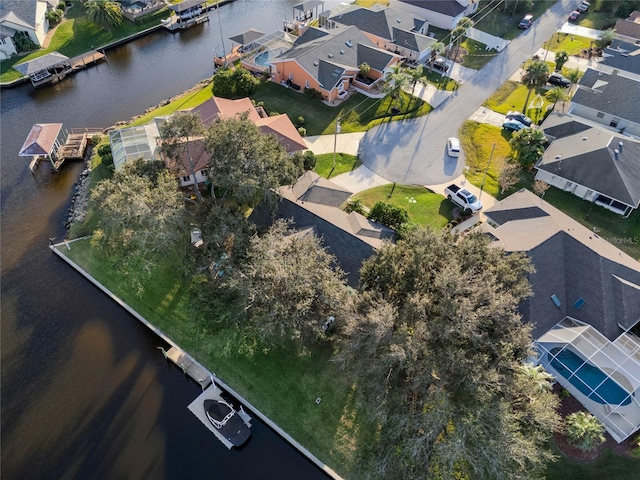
(54, 66)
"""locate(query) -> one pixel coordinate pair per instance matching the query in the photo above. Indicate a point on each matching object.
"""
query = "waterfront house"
(586, 300)
(592, 163)
(439, 13)
(394, 30)
(329, 62)
(23, 18)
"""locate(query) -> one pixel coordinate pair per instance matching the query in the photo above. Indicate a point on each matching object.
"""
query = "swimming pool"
(264, 58)
(590, 380)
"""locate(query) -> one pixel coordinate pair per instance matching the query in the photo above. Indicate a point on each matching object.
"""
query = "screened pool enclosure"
(603, 375)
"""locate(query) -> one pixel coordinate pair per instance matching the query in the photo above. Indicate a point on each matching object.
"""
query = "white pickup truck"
(463, 198)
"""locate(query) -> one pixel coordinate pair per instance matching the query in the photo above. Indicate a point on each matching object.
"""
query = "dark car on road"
(520, 117)
(526, 22)
(558, 80)
(573, 16)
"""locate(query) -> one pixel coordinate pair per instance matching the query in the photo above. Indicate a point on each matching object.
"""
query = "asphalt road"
(414, 151)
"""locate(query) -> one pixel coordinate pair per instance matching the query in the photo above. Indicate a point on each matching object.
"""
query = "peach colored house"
(329, 62)
(221, 109)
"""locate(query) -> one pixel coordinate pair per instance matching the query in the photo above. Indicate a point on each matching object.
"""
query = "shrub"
(302, 131)
(313, 93)
(301, 121)
(390, 215)
(105, 154)
(355, 205)
(61, 6)
(584, 430)
(309, 160)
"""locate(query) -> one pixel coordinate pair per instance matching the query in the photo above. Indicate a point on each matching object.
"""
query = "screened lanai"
(134, 142)
(603, 375)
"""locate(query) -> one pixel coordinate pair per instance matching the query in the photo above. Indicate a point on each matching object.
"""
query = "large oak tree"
(436, 347)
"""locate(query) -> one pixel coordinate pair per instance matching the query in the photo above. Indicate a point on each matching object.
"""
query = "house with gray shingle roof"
(329, 62)
(608, 99)
(622, 58)
(592, 163)
(439, 13)
(394, 30)
(26, 16)
(586, 299)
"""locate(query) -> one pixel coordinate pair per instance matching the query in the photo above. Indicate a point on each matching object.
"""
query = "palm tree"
(555, 95)
(584, 430)
(527, 146)
(605, 38)
(573, 76)
(535, 75)
(104, 13)
(562, 57)
(364, 69)
(415, 76)
(460, 31)
(537, 373)
(395, 80)
(436, 49)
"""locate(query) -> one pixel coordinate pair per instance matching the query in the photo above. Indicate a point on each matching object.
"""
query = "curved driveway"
(414, 151)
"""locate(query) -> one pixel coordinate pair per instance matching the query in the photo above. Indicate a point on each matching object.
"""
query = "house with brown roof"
(629, 29)
(329, 62)
(143, 141)
(585, 302)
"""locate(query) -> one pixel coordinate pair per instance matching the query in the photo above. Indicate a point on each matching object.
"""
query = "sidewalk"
(581, 31)
(428, 93)
(344, 143)
(359, 179)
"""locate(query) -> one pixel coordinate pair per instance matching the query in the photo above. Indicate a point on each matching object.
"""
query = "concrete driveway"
(414, 151)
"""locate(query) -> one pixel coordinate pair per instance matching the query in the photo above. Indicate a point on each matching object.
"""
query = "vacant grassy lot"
(281, 383)
(572, 44)
(424, 206)
(344, 163)
(503, 23)
(357, 114)
(478, 55)
(477, 142)
(77, 35)
(512, 95)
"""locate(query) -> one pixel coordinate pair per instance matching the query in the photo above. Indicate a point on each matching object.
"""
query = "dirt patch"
(570, 405)
(456, 54)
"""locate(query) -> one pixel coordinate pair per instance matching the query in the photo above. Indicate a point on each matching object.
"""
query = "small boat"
(227, 421)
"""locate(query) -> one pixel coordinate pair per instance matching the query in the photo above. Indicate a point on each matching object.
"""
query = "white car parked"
(453, 147)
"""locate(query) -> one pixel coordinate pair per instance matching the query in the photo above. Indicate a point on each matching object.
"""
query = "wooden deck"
(75, 145)
(86, 59)
(196, 371)
(174, 23)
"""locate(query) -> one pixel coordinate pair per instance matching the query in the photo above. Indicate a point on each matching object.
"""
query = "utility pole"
(224, 54)
(486, 170)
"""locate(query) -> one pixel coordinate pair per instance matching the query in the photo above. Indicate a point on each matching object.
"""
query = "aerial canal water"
(84, 391)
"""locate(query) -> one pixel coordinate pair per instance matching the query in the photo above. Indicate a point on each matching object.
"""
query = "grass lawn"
(185, 101)
(77, 35)
(428, 209)
(281, 383)
(358, 113)
(344, 163)
(505, 25)
(624, 233)
(597, 20)
(572, 44)
(439, 81)
(477, 141)
(512, 95)
(478, 55)
(608, 466)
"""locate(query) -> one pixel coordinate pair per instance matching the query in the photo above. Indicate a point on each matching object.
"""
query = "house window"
(589, 193)
(614, 123)
(568, 186)
(307, 84)
(2, 41)
(204, 172)
(341, 87)
(291, 76)
(186, 178)
(600, 115)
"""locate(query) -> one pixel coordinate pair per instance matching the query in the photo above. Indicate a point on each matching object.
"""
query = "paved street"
(413, 151)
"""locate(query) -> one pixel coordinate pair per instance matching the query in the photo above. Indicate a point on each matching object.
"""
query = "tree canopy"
(436, 348)
(290, 285)
(527, 146)
(104, 13)
(535, 75)
(247, 164)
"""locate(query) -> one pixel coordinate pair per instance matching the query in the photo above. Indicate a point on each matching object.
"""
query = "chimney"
(615, 153)
(620, 144)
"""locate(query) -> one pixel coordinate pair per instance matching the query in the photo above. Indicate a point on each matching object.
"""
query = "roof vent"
(398, 20)
(315, 63)
(341, 52)
(558, 157)
(584, 139)
(330, 55)
(615, 153)
(348, 43)
(620, 144)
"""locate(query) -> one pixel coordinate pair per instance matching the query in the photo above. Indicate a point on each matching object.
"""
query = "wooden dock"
(75, 145)
(196, 371)
(86, 59)
(197, 408)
